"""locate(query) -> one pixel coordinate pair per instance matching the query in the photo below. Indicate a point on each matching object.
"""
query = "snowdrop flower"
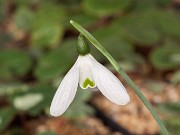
(88, 73)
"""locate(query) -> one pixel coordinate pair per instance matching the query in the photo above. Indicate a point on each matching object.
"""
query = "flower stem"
(122, 73)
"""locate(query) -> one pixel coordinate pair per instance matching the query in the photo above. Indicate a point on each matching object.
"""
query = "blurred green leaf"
(47, 35)
(155, 86)
(24, 2)
(171, 108)
(142, 5)
(13, 63)
(34, 101)
(79, 108)
(23, 18)
(176, 77)
(27, 101)
(6, 116)
(110, 38)
(47, 26)
(10, 89)
(57, 62)
(47, 133)
(71, 2)
(138, 29)
(48, 15)
(168, 23)
(161, 58)
(173, 125)
(83, 18)
(163, 2)
(170, 111)
(5, 38)
(105, 7)
(128, 66)
(2, 10)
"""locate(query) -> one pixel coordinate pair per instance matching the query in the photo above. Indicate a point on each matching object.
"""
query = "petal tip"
(125, 102)
(122, 101)
(71, 21)
(54, 113)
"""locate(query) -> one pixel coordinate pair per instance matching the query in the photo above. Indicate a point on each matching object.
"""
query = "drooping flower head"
(89, 74)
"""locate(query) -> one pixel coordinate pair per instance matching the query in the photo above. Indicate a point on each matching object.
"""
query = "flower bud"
(82, 46)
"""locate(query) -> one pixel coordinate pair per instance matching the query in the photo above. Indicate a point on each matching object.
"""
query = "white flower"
(88, 73)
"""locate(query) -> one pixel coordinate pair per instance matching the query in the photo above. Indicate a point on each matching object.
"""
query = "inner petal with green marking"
(88, 83)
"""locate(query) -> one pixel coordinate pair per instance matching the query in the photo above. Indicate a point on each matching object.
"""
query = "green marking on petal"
(88, 82)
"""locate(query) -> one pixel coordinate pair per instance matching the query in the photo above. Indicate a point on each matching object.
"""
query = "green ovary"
(88, 82)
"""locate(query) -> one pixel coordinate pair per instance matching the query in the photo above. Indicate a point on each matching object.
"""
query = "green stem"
(122, 73)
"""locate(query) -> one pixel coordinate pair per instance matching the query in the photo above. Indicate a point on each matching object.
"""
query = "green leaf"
(142, 5)
(155, 86)
(86, 19)
(47, 35)
(12, 88)
(138, 29)
(23, 2)
(13, 63)
(23, 18)
(128, 66)
(5, 38)
(57, 61)
(46, 133)
(47, 28)
(27, 101)
(28, 3)
(163, 2)
(176, 77)
(2, 10)
(35, 100)
(79, 108)
(171, 109)
(173, 125)
(6, 116)
(163, 58)
(168, 23)
(48, 15)
(118, 47)
(105, 7)
(71, 3)
(171, 106)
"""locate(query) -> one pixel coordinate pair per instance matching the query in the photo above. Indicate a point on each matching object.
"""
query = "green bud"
(82, 46)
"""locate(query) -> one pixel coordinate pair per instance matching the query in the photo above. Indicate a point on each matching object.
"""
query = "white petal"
(85, 70)
(65, 92)
(109, 84)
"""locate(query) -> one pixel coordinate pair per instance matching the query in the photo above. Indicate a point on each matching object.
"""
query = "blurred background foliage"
(37, 47)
